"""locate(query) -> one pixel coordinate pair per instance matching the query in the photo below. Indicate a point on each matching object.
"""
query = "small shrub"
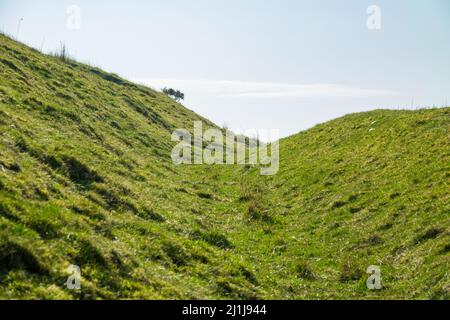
(177, 95)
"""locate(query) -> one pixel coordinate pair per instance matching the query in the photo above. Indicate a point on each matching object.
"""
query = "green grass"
(86, 178)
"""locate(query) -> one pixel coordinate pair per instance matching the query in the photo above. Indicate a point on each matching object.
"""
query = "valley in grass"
(86, 179)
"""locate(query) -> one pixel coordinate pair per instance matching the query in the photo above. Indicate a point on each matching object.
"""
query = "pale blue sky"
(285, 64)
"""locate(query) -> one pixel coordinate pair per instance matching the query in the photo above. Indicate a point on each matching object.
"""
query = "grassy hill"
(86, 178)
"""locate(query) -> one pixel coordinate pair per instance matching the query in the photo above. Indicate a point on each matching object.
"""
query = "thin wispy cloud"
(227, 88)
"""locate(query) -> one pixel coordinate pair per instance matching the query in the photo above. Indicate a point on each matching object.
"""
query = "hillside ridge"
(86, 179)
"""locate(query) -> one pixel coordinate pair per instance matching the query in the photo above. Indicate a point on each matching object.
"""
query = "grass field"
(86, 178)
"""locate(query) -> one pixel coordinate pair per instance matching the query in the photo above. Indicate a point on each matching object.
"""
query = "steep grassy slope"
(366, 189)
(86, 179)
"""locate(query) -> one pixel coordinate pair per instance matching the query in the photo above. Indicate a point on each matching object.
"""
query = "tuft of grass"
(255, 211)
(214, 238)
(44, 228)
(304, 271)
(429, 234)
(176, 253)
(350, 271)
(88, 254)
(79, 172)
(338, 204)
(204, 195)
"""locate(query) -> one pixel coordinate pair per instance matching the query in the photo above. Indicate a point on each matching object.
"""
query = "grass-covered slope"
(86, 178)
(365, 189)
